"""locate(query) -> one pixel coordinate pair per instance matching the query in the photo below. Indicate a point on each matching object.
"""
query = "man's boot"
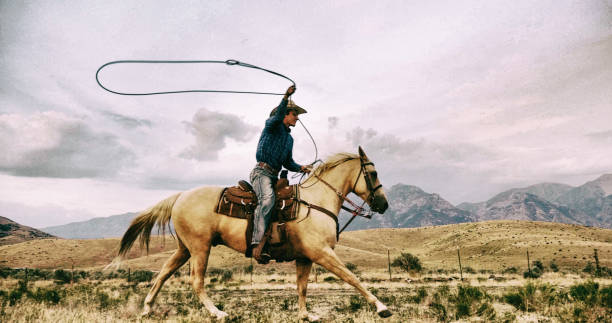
(260, 252)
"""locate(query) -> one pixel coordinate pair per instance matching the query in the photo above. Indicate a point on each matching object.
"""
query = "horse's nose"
(384, 207)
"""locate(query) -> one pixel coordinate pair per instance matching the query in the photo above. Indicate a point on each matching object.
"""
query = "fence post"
(389, 261)
(460, 268)
(597, 267)
(252, 270)
(529, 264)
(129, 274)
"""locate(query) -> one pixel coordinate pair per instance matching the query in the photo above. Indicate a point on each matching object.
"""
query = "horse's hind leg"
(179, 258)
(303, 267)
(328, 259)
(199, 262)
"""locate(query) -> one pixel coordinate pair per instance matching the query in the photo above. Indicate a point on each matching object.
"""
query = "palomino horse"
(313, 234)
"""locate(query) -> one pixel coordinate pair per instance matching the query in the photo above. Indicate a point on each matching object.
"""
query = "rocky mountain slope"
(12, 232)
(410, 207)
(594, 199)
(588, 204)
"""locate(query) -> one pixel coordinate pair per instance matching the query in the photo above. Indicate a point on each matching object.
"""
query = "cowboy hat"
(290, 106)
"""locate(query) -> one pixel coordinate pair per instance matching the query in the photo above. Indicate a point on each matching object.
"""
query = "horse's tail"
(143, 224)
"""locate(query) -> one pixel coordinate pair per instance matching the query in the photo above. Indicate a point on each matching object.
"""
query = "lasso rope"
(230, 62)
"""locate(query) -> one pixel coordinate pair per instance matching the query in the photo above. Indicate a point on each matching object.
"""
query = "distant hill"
(410, 207)
(103, 227)
(484, 245)
(12, 232)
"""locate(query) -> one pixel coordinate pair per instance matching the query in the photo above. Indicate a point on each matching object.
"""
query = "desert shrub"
(355, 303)
(97, 275)
(554, 267)
(606, 296)
(330, 279)
(465, 298)
(538, 264)
(523, 298)
(43, 295)
(515, 299)
(408, 262)
(139, 276)
(248, 269)
(227, 276)
(442, 291)
(105, 301)
(535, 272)
(419, 296)
(510, 270)
(5, 272)
(438, 310)
(16, 294)
(352, 267)
(62, 276)
(469, 270)
(586, 292)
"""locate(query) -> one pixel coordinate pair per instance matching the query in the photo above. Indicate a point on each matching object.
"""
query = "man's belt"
(268, 168)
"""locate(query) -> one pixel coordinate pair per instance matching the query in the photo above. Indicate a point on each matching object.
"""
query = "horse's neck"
(339, 179)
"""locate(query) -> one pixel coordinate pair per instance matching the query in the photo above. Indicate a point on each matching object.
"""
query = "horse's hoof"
(385, 313)
(220, 315)
(310, 318)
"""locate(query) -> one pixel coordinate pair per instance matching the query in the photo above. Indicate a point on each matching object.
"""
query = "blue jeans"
(262, 181)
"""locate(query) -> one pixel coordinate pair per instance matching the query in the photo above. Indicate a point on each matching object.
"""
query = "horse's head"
(370, 189)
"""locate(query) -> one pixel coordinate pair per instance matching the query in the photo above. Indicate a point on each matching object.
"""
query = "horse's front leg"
(328, 259)
(303, 267)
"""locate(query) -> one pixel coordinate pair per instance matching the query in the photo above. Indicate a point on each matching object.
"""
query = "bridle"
(357, 210)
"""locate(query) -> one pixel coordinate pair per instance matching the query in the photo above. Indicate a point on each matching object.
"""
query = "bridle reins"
(357, 210)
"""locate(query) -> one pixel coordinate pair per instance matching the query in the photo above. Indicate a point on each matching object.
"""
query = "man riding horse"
(274, 151)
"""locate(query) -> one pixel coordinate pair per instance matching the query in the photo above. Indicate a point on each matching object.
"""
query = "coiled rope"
(229, 62)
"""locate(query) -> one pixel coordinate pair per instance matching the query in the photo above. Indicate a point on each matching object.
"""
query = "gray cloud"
(600, 135)
(211, 130)
(125, 121)
(52, 144)
(457, 171)
(332, 122)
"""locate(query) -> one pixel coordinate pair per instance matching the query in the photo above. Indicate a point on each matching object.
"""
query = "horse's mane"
(331, 162)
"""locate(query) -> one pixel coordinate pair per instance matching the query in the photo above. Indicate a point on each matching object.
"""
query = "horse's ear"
(362, 153)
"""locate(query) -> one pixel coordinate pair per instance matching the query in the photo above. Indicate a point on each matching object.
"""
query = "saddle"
(240, 201)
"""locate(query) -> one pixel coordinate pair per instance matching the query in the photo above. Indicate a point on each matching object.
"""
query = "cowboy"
(274, 150)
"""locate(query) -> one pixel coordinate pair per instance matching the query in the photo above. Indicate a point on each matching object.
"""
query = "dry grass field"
(494, 290)
(486, 245)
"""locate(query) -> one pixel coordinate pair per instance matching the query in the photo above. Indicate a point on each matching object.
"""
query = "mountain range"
(589, 204)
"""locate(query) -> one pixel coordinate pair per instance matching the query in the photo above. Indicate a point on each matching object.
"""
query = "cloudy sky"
(461, 98)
